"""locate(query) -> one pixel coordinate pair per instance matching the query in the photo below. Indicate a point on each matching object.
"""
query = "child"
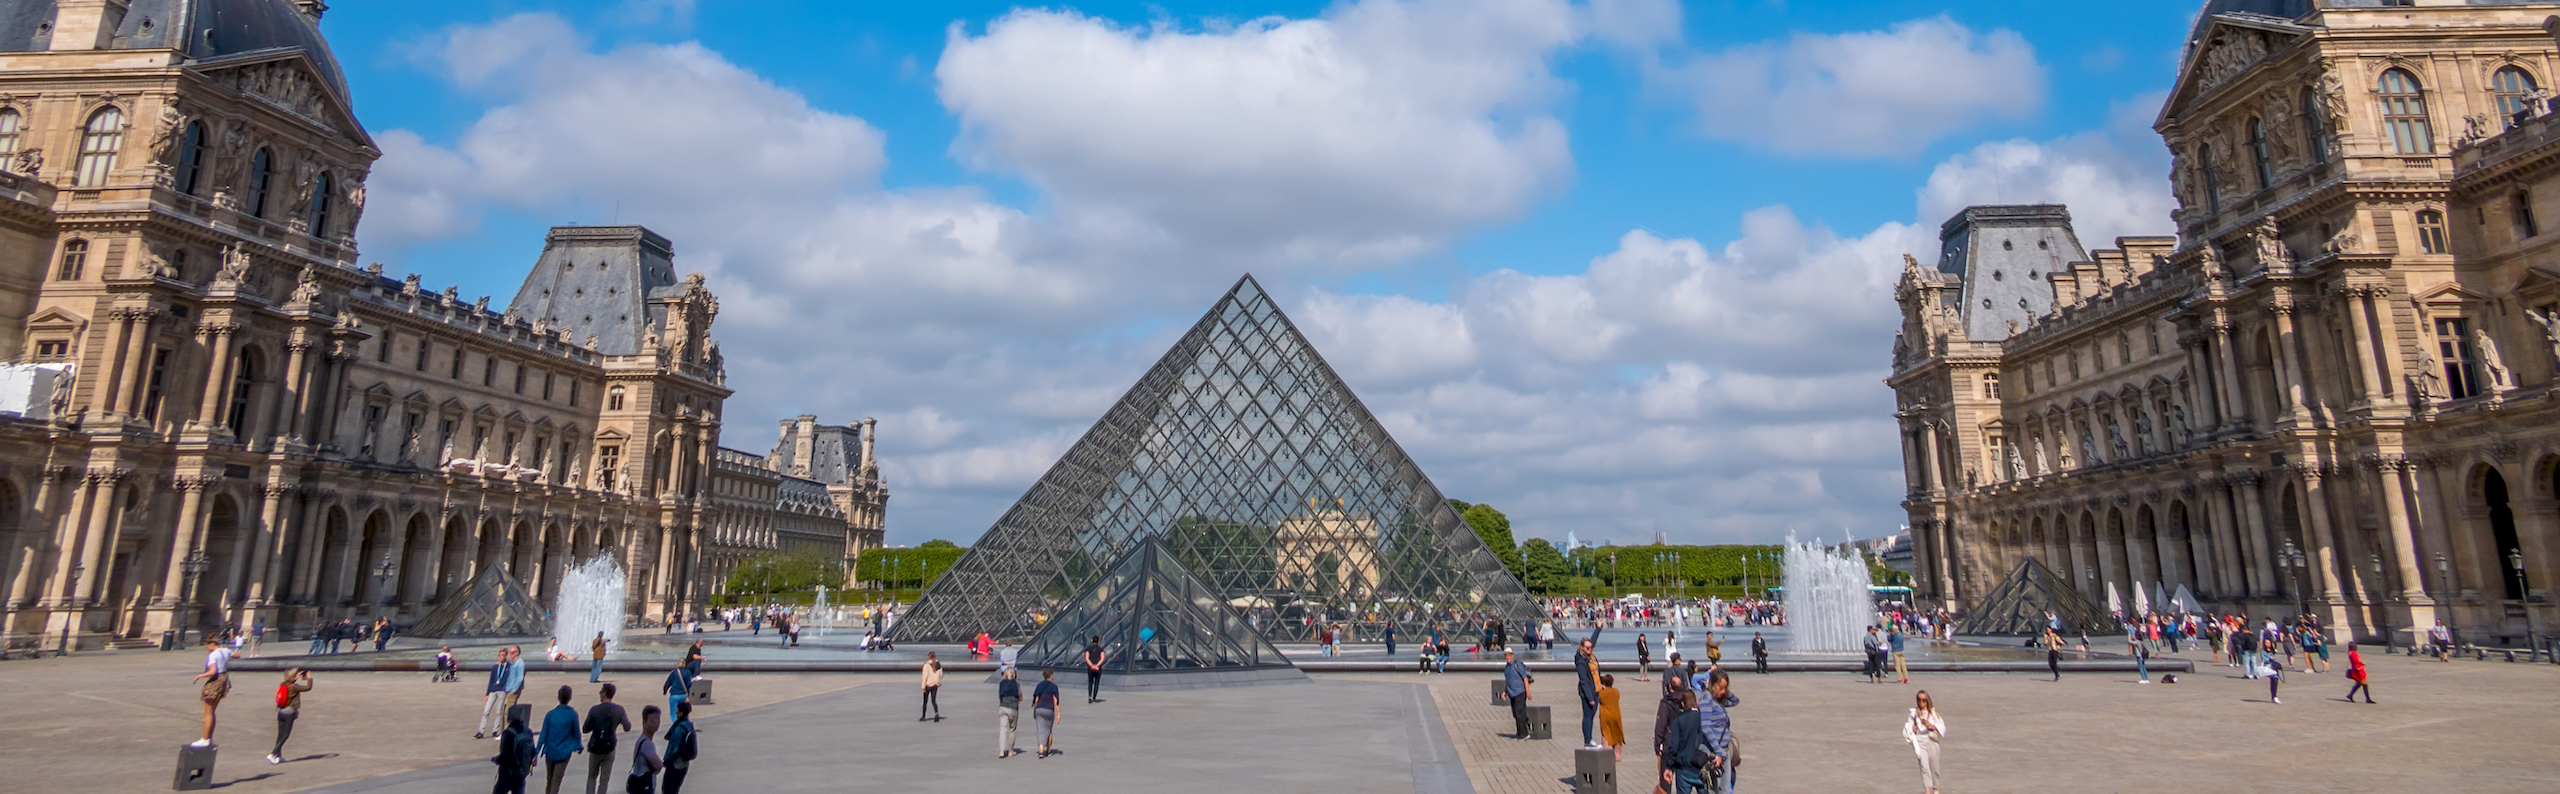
(1613, 729)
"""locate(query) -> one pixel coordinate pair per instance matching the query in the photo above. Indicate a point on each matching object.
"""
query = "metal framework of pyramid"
(2018, 606)
(1151, 616)
(1263, 476)
(492, 604)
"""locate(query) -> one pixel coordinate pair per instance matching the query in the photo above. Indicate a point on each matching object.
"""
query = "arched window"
(262, 174)
(2259, 155)
(2404, 113)
(613, 399)
(2315, 126)
(100, 140)
(2431, 232)
(75, 255)
(191, 158)
(320, 206)
(10, 125)
(2514, 90)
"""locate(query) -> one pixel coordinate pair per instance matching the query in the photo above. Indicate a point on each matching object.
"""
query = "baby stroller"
(446, 671)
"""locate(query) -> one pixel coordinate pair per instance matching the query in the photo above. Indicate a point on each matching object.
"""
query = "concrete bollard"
(195, 768)
(1541, 723)
(1501, 694)
(1595, 771)
(700, 693)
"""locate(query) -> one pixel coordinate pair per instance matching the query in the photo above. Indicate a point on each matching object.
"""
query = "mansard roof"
(597, 281)
(213, 30)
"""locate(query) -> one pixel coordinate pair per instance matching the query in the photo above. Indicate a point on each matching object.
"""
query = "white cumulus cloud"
(1867, 93)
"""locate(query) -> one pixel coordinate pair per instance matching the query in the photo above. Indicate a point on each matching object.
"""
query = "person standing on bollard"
(595, 659)
(1586, 688)
(605, 720)
(1515, 688)
(1008, 710)
(288, 708)
(217, 684)
(560, 740)
(1925, 730)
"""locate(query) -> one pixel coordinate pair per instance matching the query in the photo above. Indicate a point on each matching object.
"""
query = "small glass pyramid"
(2018, 607)
(492, 604)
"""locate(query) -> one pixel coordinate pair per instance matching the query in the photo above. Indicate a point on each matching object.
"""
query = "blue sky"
(1586, 265)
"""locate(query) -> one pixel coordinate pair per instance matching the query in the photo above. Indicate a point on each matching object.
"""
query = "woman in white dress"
(1924, 730)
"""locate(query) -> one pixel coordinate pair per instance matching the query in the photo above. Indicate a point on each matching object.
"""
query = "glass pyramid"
(1262, 475)
(492, 604)
(2018, 606)
(1151, 615)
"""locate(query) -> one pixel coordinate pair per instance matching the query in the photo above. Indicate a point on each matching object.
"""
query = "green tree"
(937, 543)
(1495, 529)
(1545, 568)
(780, 573)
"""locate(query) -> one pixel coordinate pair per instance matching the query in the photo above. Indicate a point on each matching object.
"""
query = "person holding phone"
(288, 707)
(1924, 729)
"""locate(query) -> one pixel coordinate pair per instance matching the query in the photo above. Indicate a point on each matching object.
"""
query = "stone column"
(108, 388)
(218, 361)
(315, 539)
(2231, 583)
(2360, 327)
(2235, 412)
(2323, 554)
(1937, 481)
(2388, 362)
(2291, 359)
(22, 584)
(99, 532)
(2262, 569)
(2415, 608)
(290, 402)
(266, 552)
(68, 535)
(189, 528)
(138, 347)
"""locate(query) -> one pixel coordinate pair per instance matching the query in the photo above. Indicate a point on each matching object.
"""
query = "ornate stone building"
(215, 416)
(2334, 390)
(820, 492)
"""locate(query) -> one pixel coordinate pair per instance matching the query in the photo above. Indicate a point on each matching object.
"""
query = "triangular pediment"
(2449, 292)
(56, 316)
(2230, 45)
(285, 79)
(1246, 455)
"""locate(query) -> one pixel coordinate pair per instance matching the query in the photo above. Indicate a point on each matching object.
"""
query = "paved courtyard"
(109, 722)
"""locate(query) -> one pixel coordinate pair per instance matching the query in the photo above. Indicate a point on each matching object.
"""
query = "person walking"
(932, 688)
(645, 761)
(675, 687)
(1644, 656)
(2356, 673)
(1759, 654)
(1586, 683)
(1925, 730)
(603, 726)
(1613, 728)
(2275, 678)
(1093, 658)
(1874, 646)
(560, 740)
(216, 680)
(595, 659)
(1685, 757)
(2141, 661)
(1893, 642)
(516, 752)
(683, 743)
(1515, 688)
(288, 708)
(1673, 685)
(493, 705)
(2053, 652)
(1716, 725)
(1044, 710)
(1008, 710)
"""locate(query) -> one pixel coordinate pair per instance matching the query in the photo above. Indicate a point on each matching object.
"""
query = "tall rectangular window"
(2454, 353)
(2431, 232)
(100, 141)
(382, 351)
(159, 379)
(489, 371)
(2526, 226)
(1990, 385)
(426, 350)
(75, 258)
(457, 363)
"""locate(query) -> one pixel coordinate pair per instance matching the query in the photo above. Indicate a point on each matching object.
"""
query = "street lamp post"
(2515, 559)
(2444, 582)
(2373, 562)
(194, 564)
(2293, 564)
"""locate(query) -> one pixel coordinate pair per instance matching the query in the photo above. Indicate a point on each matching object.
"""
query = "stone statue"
(2490, 360)
(481, 305)
(1911, 266)
(2178, 420)
(2272, 255)
(2421, 391)
(2209, 260)
(153, 266)
(451, 297)
(2142, 432)
(164, 135)
(373, 269)
(2474, 128)
(235, 264)
(2550, 324)
(2433, 375)
(2344, 242)
(306, 286)
(28, 161)
(60, 402)
(591, 343)
(355, 199)
(410, 288)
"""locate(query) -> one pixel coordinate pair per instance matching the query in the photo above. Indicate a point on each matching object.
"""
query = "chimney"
(86, 24)
(869, 426)
(804, 441)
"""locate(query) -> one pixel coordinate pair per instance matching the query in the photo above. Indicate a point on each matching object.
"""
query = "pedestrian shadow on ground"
(250, 779)
(311, 757)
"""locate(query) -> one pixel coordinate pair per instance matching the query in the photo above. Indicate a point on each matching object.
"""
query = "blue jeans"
(595, 669)
(2142, 665)
(1590, 709)
(672, 700)
(1685, 781)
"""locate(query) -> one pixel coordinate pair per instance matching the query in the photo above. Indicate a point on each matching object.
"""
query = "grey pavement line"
(483, 770)
(1436, 768)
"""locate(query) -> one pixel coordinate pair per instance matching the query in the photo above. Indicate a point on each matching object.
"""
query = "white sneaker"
(2277, 701)
(201, 743)
(273, 759)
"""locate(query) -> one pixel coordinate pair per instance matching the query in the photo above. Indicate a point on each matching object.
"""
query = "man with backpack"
(604, 721)
(681, 748)
(1685, 757)
(516, 751)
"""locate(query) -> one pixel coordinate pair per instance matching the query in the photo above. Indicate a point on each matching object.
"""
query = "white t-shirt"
(219, 660)
(1007, 655)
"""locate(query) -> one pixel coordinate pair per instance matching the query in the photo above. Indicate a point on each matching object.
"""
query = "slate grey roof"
(213, 30)
(2297, 9)
(597, 280)
(2001, 255)
(835, 452)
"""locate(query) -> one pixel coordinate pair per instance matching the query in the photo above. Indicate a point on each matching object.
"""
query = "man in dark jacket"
(603, 722)
(1683, 748)
(515, 751)
(1759, 653)
(681, 748)
(559, 742)
(675, 687)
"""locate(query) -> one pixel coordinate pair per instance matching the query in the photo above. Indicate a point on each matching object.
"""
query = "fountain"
(826, 617)
(1828, 604)
(591, 601)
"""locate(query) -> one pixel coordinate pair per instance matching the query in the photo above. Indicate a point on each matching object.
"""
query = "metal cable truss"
(1244, 453)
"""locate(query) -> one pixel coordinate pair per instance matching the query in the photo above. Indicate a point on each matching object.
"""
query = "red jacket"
(2355, 667)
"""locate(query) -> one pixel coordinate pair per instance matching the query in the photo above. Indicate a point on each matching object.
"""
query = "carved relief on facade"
(286, 84)
(2230, 53)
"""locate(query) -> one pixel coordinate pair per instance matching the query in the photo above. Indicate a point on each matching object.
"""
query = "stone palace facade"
(212, 415)
(2336, 389)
